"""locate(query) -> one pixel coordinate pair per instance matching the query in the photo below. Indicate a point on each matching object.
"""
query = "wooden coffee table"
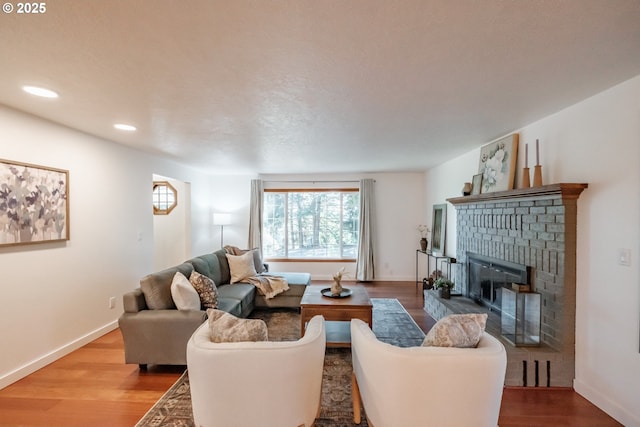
(337, 312)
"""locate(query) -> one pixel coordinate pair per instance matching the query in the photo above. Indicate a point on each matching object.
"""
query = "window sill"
(310, 260)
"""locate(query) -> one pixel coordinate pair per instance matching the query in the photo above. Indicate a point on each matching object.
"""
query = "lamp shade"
(221, 219)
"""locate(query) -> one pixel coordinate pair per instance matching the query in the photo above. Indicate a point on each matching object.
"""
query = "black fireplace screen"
(487, 275)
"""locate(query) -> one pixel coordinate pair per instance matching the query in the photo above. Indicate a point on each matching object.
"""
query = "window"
(311, 224)
(165, 198)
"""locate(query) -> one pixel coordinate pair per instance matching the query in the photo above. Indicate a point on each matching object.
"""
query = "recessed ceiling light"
(122, 126)
(40, 91)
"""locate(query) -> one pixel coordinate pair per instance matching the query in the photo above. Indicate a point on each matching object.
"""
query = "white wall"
(444, 182)
(399, 210)
(172, 232)
(232, 195)
(55, 295)
(596, 141)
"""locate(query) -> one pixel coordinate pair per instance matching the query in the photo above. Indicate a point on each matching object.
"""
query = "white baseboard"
(54, 355)
(603, 402)
(395, 279)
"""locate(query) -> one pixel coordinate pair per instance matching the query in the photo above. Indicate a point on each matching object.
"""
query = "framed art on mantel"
(34, 204)
(498, 164)
(476, 184)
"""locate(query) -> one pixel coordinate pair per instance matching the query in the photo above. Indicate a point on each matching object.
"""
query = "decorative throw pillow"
(184, 295)
(257, 260)
(241, 267)
(206, 289)
(225, 327)
(457, 330)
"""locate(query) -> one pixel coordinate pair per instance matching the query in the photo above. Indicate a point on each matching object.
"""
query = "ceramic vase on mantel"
(423, 244)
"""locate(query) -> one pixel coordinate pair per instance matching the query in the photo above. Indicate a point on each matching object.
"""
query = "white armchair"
(426, 386)
(264, 383)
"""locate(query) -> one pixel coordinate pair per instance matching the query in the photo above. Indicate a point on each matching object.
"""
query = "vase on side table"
(423, 244)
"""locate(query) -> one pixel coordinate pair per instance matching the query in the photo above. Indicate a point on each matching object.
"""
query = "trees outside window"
(311, 224)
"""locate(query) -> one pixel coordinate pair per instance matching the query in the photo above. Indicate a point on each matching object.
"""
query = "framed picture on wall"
(34, 204)
(438, 228)
(498, 164)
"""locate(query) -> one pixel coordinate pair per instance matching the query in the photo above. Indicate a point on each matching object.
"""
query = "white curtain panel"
(255, 215)
(365, 269)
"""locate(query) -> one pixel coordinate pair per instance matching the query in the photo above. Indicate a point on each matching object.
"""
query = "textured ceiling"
(314, 85)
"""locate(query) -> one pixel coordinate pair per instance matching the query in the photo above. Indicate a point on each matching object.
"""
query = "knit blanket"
(268, 285)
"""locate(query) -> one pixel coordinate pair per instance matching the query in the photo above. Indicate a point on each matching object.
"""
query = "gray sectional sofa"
(156, 332)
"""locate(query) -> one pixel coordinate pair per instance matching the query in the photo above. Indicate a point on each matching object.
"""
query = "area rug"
(391, 324)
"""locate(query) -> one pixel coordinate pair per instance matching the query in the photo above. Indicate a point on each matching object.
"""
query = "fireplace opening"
(487, 276)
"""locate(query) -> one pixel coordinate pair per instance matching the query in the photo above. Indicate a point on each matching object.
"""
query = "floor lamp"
(221, 219)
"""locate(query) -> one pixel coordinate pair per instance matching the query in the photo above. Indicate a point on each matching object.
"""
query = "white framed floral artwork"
(498, 164)
(34, 204)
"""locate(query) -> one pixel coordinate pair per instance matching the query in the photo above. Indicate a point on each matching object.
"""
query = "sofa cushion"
(457, 330)
(257, 260)
(156, 287)
(243, 292)
(206, 289)
(183, 293)
(224, 327)
(225, 274)
(230, 305)
(241, 267)
(257, 257)
(209, 265)
(295, 278)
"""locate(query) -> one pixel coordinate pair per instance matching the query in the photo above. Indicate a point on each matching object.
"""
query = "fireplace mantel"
(563, 190)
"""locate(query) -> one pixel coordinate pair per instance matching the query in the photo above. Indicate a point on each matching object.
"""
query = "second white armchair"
(426, 386)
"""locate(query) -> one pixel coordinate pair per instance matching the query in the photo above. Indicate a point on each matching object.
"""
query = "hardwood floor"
(93, 387)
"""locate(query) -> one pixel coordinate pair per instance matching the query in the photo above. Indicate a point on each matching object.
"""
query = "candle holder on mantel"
(537, 169)
(537, 176)
(526, 178)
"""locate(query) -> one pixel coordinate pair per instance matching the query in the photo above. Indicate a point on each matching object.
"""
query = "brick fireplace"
(536, 228)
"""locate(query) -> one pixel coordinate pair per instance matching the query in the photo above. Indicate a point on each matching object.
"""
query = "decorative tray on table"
(346, 292)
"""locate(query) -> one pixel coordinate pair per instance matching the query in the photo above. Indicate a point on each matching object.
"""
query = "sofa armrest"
(159, 336)
(134, 301)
